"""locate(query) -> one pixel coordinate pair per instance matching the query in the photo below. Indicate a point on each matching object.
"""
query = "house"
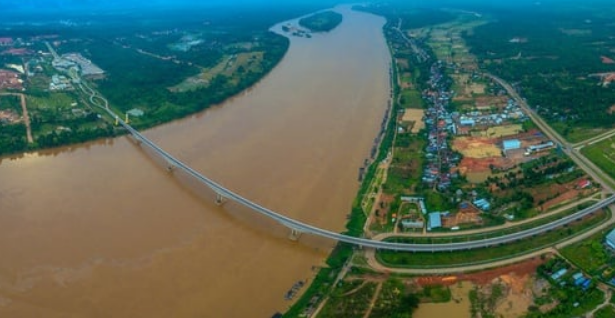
(511, 144)
(435, 220)
(6, 41)
(559, 274)
(540, 147)
(464, 121)
(482, 204)
(411, 224)
(135, 112)
(584, 184)
(610, 239)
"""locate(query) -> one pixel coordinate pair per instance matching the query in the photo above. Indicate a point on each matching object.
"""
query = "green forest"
(144, 56)
(551, 54)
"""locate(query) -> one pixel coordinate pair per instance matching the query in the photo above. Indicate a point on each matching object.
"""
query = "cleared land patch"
(415, 116)
(230, 66)
(477, 147)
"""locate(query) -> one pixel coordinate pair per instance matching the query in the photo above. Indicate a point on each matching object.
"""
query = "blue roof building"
(610, 239)
(511, 144)
(435, 220)
(467, 122)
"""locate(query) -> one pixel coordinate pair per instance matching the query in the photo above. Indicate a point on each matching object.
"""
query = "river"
(102, 230)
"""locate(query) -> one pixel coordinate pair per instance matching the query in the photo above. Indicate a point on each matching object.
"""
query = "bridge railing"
(296, 225)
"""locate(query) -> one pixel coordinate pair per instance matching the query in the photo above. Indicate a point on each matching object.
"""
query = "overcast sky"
(43, 5)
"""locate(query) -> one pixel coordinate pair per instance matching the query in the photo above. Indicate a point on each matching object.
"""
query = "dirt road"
(24, 110)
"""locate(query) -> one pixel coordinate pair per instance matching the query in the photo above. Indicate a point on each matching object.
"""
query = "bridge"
(298, 227)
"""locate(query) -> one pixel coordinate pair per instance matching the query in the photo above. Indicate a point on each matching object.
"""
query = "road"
(370, 255)
(174, 163)
(24, 111)
(591, 169)
(384, 236)
(222, 192)
(593, 140)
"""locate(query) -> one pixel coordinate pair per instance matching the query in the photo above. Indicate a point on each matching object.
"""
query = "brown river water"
(103, 230)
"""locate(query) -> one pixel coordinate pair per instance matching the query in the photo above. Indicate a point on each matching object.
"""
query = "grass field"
(231, 66)
(411, 98)
(606, 312)
(575, 134)
(603, 155)
(444, 259)
(590, 254)
(55, 101)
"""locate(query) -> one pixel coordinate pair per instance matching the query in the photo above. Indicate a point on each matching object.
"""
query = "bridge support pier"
(294, 234)
(220, 199)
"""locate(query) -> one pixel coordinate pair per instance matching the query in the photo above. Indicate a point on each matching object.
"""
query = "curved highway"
(306, 228)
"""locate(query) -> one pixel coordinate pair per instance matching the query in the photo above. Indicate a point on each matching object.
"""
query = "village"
(479, 154)
(40, 103)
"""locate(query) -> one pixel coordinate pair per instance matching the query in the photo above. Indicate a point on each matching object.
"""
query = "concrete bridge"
(298, 227)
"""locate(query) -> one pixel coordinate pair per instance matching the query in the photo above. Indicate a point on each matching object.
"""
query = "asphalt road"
(174, 163)
(591, 169)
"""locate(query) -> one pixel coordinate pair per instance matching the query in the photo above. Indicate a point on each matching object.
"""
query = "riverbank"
(109, 215)
(340, 259)
(150, 76)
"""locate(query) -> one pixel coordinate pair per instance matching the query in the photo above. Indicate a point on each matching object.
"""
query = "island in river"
(322, 21)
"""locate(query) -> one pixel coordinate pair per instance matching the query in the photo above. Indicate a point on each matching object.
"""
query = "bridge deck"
(306, 228)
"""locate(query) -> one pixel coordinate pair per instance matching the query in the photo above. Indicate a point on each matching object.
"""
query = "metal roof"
(435, 220)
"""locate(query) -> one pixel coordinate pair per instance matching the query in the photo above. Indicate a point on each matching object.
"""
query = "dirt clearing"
(477, 147)
(415, 116)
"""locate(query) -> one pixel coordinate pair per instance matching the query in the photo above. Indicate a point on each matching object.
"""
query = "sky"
(101, 4)
(7, 6)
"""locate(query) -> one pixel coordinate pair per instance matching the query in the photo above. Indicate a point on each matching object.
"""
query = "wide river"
(103, 230)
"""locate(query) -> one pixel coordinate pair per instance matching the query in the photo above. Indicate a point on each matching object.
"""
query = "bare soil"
(415, 116)
(477, 147)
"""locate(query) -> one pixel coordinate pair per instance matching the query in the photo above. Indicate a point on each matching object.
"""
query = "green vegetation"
(489, 234)
(394, 301)
(603, 155)
(605, 312)
(13, 138)
(320, 287)
(524, 191)
(443, 259)
(351, 298)
(322, 21)
(551, 53)
(483, 304)
(167, 64)
(436, 294)
(572, 301)
(12, 134)
(590, 255)
(410, 14)
(351, 303)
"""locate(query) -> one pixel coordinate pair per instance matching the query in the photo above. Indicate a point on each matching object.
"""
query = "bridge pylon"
(170, 166)
(294, 234)
(220, 199)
